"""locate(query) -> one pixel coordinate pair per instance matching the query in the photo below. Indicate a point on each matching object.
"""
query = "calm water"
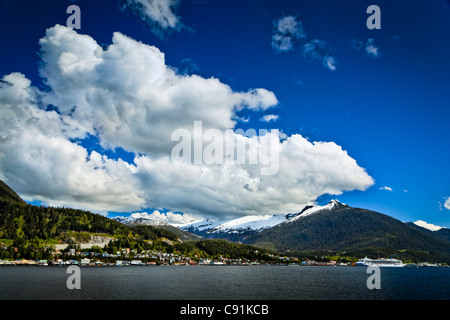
(223, 283)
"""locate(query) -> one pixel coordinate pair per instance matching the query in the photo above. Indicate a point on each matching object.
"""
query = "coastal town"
(131, 257)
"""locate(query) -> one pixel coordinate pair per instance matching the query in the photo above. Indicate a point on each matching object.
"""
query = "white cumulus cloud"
(447, 203)
(127, 97)
(426, 225)
(38, 159)
(167, 217)
(306, 171)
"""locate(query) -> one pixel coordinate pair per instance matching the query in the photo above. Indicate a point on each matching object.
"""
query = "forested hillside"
(27, 230)
(28, 222)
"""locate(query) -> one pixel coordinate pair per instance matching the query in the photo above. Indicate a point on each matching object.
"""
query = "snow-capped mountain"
(199, 227)
(240, 228)
(239, 225)
(138, 221)
(157, 218)
(233, 229)
(309, 210)
(334, 226)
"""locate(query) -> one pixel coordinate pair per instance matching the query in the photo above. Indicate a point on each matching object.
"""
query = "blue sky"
(384, 99)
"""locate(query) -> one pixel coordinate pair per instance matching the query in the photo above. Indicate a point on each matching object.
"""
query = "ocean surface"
(223, 283)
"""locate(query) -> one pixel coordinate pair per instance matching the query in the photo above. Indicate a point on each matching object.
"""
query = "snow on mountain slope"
(159, 218)
(199, 226)
(124, 220)
(137, 221)
(249, 223)
(254, 223)
(232, 226)
(333, 204)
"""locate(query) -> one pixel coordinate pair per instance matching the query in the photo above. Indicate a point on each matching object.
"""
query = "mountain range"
(236, 228)
(335, 227)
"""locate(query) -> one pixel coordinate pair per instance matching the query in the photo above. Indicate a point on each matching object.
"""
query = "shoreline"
(134, 263)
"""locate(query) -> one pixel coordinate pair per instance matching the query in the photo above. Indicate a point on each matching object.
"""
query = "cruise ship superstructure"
(380, 262)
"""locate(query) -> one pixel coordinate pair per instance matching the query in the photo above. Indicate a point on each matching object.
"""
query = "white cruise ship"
(380, 262)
